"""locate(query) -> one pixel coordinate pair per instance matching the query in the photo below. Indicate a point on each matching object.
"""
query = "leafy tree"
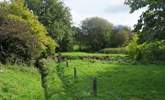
(21, 28)
(17, 43)
(78, 37)
(120, 36)
(96, 33)
(151, 25)
(57, 18)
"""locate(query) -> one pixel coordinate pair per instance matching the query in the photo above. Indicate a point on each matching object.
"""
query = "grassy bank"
(20, 83)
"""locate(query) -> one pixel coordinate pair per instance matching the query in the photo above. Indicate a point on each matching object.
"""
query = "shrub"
(114, 50)
(22, 36)
(133, 48)
(17, 11)
(153, 51)
(17, 44)
(148, 52)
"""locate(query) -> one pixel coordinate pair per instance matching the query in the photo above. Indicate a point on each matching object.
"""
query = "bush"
(17, 44)
(17, 11)
(22, 36)
(148, 52)
(133, 48)
(114, 50)
(153, 51)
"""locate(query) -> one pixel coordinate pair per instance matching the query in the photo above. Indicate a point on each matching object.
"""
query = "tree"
(150, 46)
(78, 37)
(120, 36)
(151, 25)
(20, 27)
(96, 33)
(17, 43)
(57, 18)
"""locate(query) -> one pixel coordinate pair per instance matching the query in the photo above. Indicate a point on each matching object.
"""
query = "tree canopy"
(148, 45)
(56, 17)
(96, 32)
(151, 25)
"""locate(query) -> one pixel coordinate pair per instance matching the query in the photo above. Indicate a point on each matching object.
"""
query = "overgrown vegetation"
(23, 38)
(148, 46)
(148, 52)
(19, 82)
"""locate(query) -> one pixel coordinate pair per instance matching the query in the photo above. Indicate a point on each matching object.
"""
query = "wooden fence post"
(67, 63)
(95, 86)
(75, 72)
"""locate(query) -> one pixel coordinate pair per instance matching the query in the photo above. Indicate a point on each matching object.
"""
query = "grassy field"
(20, 83)
(116, 81)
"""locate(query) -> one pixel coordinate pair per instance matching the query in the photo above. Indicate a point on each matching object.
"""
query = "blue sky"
(113, 10)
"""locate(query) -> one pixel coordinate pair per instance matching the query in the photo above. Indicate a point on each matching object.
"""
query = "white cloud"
(113, 10)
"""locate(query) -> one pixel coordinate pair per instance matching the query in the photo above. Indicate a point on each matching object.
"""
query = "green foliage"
(120, 36)
(151, 23)
(17, 43)
(27, 35)
(96, 33)
(113, 51)
(151, 30)
(18, 82)
(153, 51)
(133, 48)
(148, 52)
(57, 18)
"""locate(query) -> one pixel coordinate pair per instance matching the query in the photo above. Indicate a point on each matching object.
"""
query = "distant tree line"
(97, 33)
(94, 33)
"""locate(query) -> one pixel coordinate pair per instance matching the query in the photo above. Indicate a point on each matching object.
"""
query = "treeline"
(97, 33)
(94, 33)
(32, 29)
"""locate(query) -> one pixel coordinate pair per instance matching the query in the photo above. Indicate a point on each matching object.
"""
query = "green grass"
(20, 83)
(116, 81)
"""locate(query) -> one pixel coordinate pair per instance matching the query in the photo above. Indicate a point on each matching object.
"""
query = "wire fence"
(88, 86)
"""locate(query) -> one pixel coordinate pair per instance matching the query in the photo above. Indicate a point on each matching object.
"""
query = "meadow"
(73, 79)
(115, 80)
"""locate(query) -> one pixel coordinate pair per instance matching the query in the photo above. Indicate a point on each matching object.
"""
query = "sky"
(112, 10)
